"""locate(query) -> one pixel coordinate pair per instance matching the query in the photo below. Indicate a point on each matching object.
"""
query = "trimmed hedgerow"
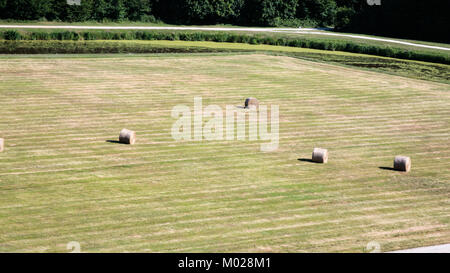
(79, 47)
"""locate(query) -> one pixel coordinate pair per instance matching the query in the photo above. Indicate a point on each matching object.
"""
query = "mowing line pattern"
(61, 181)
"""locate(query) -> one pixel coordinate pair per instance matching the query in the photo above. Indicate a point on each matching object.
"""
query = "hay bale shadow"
(306, 160)
(114, 141)
(388, 169)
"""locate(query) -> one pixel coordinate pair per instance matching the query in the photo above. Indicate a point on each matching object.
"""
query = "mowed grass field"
(61, 180)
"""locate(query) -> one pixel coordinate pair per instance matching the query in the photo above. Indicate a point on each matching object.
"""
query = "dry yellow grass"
(61, 181)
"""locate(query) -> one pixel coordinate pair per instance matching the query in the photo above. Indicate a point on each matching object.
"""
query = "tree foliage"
(415, 19)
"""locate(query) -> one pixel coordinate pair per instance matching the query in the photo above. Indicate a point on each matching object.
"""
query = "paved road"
(430, 249)
(279, 30)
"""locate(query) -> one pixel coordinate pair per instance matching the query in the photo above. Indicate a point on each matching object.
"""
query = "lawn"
(63, 180)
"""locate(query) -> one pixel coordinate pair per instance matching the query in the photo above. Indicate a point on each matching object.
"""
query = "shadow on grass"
(306, 160)
(388, 168)
(114, 141)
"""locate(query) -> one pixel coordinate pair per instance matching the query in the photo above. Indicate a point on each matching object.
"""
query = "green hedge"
(335, 45)
(93, 47)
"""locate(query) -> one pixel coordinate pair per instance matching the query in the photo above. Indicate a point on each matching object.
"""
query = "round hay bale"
(251, 102)
(320, 155)
(127, 137)
(402, 163)
(2, 144)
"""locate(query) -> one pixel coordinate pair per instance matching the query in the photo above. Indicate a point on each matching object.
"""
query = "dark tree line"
(415, 19)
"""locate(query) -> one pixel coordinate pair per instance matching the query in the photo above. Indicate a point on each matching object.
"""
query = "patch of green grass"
(95, 47)
(410, 69)
(323, 36)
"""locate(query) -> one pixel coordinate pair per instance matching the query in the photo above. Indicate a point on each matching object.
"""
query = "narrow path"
(279, 30)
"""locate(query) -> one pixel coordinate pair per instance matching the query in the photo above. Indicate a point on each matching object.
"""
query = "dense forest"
(414, 19)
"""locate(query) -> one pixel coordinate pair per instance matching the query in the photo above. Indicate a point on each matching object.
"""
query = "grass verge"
(344, 45)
